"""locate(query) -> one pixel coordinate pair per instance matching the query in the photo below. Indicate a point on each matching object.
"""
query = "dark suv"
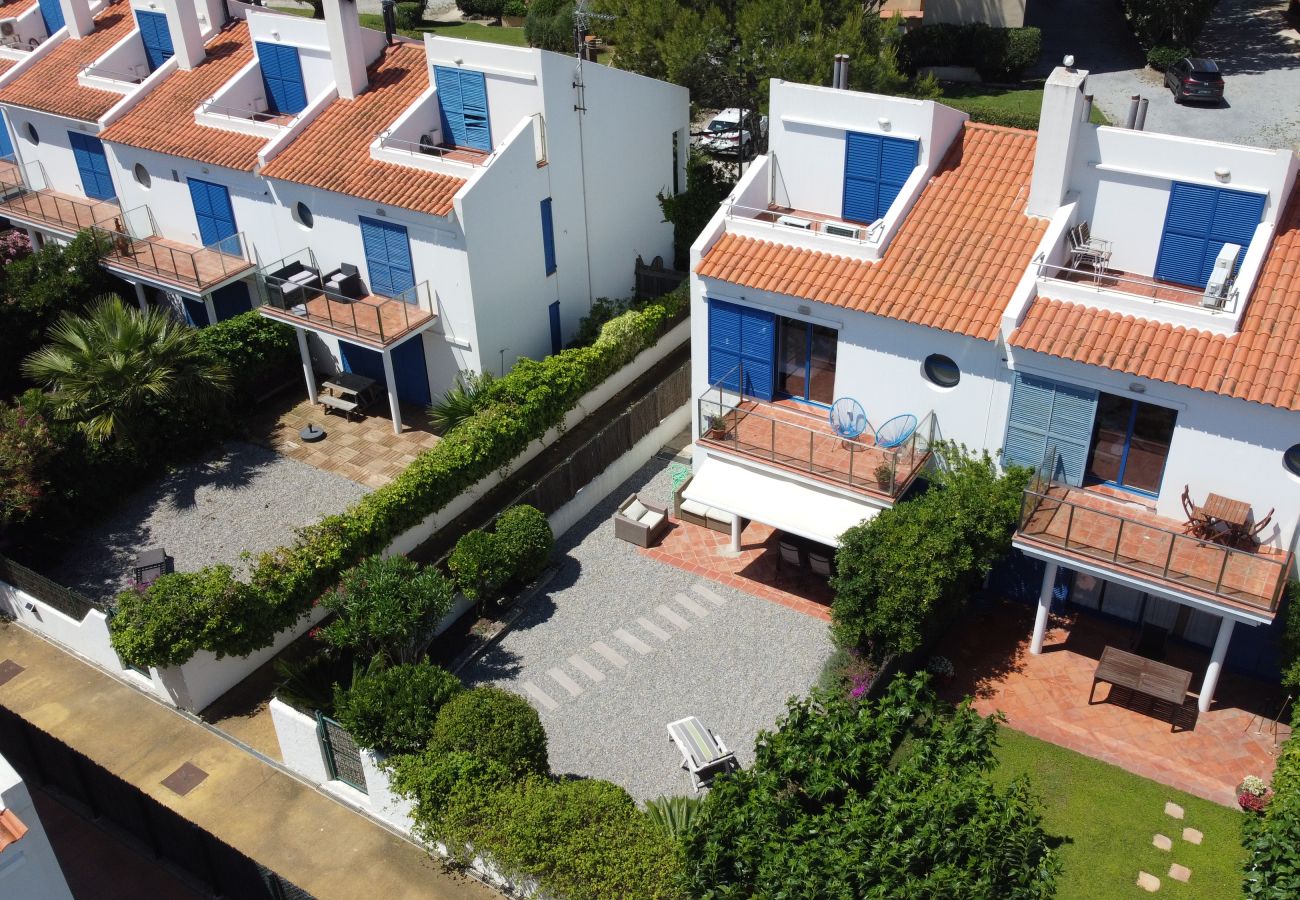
(1195, 79)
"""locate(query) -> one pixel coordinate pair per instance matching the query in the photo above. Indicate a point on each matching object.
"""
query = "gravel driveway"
(244, 498)
(619, 645)
(1251, 40)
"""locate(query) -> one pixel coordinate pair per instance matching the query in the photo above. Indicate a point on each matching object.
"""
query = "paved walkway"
(287, 826)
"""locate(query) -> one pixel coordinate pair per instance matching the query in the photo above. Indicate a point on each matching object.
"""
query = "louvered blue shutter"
(212, 209)
(401, 274)
(450, 106)
(282, 76)
(1198, 222)
(1044, 414)
(6, 144)
(898, 157)
(156, 37)
(548, 236)
(875, 170)
(557, 336)
(742, 338)
(388, 257)
(474, 107)
(52, 13)
(92, 164)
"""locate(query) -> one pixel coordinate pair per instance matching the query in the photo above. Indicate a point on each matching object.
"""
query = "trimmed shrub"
(254, 349)
(478, 568)
(394, 710)
(1161, 58)
(387, 606)
(181, 613)
(449, 790)
(524, 540)
(515, 9)
(496, 725)
(409, 16)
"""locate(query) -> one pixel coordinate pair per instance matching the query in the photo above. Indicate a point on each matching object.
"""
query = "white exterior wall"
(309, 36)
(28, 867)
(998, 13)
(54, 152)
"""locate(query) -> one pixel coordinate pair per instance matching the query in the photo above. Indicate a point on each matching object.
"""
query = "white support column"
(140, 297)
(392, 392)
(737, 525)
(211, 308)
(307, 371)
(1217, 656)
(1044, 609)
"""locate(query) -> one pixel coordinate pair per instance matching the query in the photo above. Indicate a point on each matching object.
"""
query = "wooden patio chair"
(1251, 537)
(1196, 523)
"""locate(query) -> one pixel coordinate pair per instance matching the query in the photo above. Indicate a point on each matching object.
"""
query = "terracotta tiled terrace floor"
(1131, 283)
(379, 320)
(778, 433)
(58, 210)
(754, 570)
(365, 450)
(1123, 535)
(1047, 696)
(189, 267)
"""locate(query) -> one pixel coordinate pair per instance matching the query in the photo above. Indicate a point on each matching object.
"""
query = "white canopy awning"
(775, 500)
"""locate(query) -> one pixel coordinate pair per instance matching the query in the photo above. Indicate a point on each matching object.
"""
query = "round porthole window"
(32, 134)
(302, 215)
(1291, 459)
(941, 370)
(142, 176)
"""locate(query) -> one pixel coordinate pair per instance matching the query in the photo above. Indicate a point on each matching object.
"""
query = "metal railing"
(416, 148)
(93, 71)
(51, 593)
(28, 195)
(867, 234)
(743, 425)
(1138, 287)
(209, 107)
(1146, 549)
(370, 316)
(128, 239)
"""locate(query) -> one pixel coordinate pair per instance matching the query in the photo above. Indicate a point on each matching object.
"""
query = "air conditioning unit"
(839, 229)
(793, 222)
(1216, 289)
(7, 27)
(428, 143)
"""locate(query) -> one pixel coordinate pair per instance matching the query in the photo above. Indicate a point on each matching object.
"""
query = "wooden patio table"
(1157, 680)
(1234, 514)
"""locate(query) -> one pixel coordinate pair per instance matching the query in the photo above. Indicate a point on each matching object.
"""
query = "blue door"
(742, 339)
(557, 338)
(157, 37)
(231, 300)
(213, 211)
(52, 13)
(196, 312)
(463, 106)
(282, 76)
(1198, 222)
(96, 181)
(408, 368)
(1047, 413)
(6, 145)
(875, 169)
(388, 257)
(548, 236)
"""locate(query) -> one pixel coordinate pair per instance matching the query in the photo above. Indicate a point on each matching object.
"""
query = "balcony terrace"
(27, 199)
(136, 249)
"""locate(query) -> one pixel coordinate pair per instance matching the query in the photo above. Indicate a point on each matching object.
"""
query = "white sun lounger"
(703, 753)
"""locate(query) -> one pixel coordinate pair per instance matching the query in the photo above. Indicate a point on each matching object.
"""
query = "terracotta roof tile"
(51, 84)
(952, 265)
(164, 119)
(7, 64)
(1259, 363)
(333, 152)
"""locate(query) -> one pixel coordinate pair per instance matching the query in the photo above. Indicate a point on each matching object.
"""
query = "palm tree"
(110, 368)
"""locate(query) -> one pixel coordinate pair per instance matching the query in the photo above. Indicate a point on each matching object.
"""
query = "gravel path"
(244, 498)
(619, 645)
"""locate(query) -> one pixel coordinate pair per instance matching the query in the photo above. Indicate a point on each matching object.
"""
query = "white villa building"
(413, 210)
(890, 251)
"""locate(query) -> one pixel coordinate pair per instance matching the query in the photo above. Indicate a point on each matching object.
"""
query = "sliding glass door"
(807, 361)
(1130, 443)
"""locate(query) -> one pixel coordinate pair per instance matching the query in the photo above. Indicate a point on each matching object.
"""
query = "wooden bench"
(347, 407)
(1156, 680)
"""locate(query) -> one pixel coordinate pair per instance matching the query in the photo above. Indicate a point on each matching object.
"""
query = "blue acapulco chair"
(896, 431)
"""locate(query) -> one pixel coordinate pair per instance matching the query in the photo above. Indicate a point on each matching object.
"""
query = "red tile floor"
(1047, 696)
(754, 570)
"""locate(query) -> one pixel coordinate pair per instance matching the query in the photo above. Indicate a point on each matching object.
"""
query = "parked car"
(723, 134)
(1195, 79)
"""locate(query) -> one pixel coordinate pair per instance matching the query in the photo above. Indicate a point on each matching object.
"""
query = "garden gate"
(342, 755)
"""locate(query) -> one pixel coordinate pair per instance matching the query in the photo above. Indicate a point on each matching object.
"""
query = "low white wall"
(590, 402)
(394, 810)
(299, 746)
(599, 487)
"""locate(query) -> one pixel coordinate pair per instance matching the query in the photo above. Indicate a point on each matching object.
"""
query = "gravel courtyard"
(618, 645)
(242, 498)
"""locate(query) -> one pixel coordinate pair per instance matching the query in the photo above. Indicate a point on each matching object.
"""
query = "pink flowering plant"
(14, 245)
(1253, 794)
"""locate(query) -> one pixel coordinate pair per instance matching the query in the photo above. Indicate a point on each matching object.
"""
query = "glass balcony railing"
(133, 242)
(27, 196)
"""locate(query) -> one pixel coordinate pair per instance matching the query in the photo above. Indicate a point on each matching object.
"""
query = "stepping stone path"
(1179, 873)
(1162, 843)
(1148, 882)
(1173, 809)
(1192, 836)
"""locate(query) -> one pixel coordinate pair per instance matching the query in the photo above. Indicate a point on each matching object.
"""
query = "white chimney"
(77, 17)
(1059, 125)
(187, 39)
(347, 48)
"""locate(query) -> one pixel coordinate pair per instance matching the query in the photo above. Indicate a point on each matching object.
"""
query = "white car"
(723, 135)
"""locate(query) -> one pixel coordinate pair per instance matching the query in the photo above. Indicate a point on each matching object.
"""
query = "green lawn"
(1106, 818)
(1003, 106)
(470, 31)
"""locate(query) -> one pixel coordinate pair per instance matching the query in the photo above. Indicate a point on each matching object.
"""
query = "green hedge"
(156, 628)
(998, 54)
(494, 725)
(1161, 58)
(394, 710)
(1272, 840)
(255, 349)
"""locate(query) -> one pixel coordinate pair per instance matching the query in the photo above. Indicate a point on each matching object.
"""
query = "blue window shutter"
(1198, 222)
(742, 338)
(875, 170)
(411, 372)
(52, 13)
(1236, 216)
(231, 300)
(724, 344)
(92, 164)
(399, 258)
(388, 257)
(474, 107)
(282, 76)
(898, 157)
(557, 336)
(213, 211)
(548, 236)
(450, 106)
(1047, 413)
(156, 37)
(6, 144)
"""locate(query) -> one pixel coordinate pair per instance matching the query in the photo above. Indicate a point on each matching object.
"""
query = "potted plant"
(715, 426)
(513, 13)
(884, 475)
(1253, 794)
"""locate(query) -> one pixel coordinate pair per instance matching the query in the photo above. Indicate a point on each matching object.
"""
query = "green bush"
(524, 540)
(1161, 58)
(450, 792)
(549, 25)
(409, 16)
(394, 710)
(491, 8)
(691, 210)
(387, 606)
(1272, 841)
(1172, 23)
(27, 447)
(478, 568)
(515, 9)
(519, 408)
(1291, 638)
(181, 613)
(257, 351)
(998, 54)
(495, 725)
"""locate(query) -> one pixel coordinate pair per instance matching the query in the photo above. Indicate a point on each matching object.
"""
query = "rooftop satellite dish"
(848, 418)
